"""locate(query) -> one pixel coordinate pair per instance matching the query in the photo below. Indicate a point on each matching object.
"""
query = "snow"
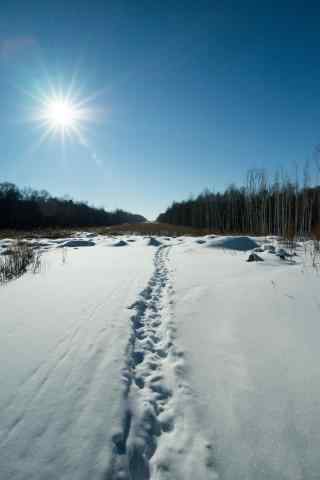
(120, 243)
(64, 335)
(251, 332)
(201, 241)
(78, 243)
(233, 243)
(153, 242)
(175, 362)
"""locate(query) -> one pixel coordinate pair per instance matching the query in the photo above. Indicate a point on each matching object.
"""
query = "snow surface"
(78, 242)
(120, 243)
(233, 243)
(64, 337)
(251, 332)
(175, 362)
(154, 242)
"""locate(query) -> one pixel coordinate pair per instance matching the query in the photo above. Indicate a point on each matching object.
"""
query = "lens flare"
(63, 113)
(64, 116)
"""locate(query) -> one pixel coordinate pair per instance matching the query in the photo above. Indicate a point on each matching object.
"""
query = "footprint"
(139, 382)
(162, 392)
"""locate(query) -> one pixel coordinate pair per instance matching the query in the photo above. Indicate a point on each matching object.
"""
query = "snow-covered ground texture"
(251, 334)
(163, 359)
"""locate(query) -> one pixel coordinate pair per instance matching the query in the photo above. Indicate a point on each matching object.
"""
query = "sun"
(61, 114)
(64, 114)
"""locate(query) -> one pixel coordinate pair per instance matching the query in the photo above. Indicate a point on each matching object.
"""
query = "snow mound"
(120, 243)
(78, 243)
(269, 248)
(154, 242)
(282, 252)
(201, 242)
(242, 244)
(59, 241)
(7, 251)
(254, 257)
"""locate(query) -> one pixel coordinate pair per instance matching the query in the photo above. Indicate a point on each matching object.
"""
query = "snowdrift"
(242, 244)
(79, 242)
(120, 243)
(153, 242)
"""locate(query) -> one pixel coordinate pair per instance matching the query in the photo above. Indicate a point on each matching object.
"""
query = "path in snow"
(159, 436)
(61, 359)
(70, 411)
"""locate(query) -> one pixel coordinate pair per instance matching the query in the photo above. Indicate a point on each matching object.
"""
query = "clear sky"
(182, 95)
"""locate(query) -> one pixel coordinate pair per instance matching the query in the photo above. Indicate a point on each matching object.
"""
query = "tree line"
(27, 208)
(281, 207)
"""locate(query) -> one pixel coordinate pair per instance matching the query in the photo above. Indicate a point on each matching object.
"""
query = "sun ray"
(47, 133)
(63, 113)
(59, 113)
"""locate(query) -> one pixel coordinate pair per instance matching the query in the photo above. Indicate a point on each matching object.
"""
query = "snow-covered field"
(137, 358)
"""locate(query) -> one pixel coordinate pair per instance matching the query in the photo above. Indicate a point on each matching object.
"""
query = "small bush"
(15, 261)
(316, 245)
(290, 236)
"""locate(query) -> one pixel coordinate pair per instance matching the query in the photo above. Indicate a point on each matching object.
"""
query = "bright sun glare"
(61, 114)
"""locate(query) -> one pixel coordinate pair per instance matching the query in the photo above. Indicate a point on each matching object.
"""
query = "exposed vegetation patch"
(15, 261)
(155, 229)
(315, 249)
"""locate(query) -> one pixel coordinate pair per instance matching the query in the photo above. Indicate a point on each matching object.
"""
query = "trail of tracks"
(71, 396)
(154, 388)
(145, 394)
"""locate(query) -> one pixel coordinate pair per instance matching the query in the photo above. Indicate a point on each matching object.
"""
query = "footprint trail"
(159, 435)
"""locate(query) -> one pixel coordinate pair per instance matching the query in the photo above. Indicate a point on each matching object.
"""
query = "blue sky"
(186, 95)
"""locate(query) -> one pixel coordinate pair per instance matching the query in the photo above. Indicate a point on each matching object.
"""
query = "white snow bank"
(233, 243)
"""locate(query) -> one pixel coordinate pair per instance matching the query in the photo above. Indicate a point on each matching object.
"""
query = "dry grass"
(316, 245)
(316, 232)
(154, 229)
(138, 229)
(51, 233)
(15, 261)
